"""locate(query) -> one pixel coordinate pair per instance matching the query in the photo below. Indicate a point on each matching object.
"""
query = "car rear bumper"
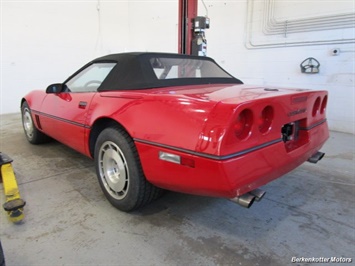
(227, 177)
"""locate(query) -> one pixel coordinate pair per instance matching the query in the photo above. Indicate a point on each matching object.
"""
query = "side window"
(90, 78)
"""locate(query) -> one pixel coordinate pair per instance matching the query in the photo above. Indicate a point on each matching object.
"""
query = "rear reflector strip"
(187, 162)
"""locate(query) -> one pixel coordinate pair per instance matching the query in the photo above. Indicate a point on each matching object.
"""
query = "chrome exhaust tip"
(258, 193)
(316, 157)
(245, 200)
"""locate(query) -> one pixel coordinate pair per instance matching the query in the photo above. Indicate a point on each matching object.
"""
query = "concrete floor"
(307, 213)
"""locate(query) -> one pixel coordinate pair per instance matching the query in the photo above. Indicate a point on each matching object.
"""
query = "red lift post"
(187, 12)
(192, 28)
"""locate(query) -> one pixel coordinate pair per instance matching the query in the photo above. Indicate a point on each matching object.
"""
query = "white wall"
(279, 65)
(44, 42)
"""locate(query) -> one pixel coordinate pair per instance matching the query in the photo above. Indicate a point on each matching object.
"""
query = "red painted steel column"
(187, 11)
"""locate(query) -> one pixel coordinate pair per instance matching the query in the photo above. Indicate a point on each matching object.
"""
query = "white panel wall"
(279, 66)
(44, 42)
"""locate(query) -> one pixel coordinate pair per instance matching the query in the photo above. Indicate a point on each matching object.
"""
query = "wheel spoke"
(27, 123)
(113, 170)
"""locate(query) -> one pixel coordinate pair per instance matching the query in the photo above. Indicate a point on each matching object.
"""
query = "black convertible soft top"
(142, 70)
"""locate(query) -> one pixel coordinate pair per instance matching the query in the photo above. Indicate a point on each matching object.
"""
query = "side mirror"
(54, 88)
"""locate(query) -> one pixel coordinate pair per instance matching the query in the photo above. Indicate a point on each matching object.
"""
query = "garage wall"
(44, 42)
(240, 43)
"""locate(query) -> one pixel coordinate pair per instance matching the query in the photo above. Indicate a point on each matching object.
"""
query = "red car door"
(65, 114)
(65, 108)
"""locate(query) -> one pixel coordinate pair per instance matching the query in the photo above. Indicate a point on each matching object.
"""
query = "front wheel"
(33, 135)
(119, 171)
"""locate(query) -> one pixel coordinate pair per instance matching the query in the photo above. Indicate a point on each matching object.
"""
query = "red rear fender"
(167, 120)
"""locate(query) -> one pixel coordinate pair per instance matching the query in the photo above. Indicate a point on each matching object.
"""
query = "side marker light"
(173, 158)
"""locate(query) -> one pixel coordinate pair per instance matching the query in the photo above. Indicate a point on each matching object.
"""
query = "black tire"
(119, 171)
(2, 257)
(32, 133)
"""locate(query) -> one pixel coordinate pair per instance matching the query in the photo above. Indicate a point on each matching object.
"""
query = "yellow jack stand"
(13, 202)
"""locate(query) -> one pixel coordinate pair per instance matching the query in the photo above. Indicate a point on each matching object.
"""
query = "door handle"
(82, 105)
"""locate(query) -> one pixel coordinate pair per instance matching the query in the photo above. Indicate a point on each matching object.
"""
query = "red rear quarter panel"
(168, 120)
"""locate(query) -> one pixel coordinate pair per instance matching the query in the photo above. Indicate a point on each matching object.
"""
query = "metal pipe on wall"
(284, 29)
(315, 23)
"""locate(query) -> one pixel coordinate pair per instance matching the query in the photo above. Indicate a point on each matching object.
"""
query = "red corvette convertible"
(154, 121)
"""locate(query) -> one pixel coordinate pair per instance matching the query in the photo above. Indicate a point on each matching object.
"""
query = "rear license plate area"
(293, 136)
(288, 132)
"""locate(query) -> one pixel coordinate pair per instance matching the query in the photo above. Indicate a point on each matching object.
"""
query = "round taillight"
(267, 115)
(242, 126)
(316, 107)
(324, 104)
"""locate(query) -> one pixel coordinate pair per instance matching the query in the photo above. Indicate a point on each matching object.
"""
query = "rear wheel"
(33, 135)
(119, 171)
